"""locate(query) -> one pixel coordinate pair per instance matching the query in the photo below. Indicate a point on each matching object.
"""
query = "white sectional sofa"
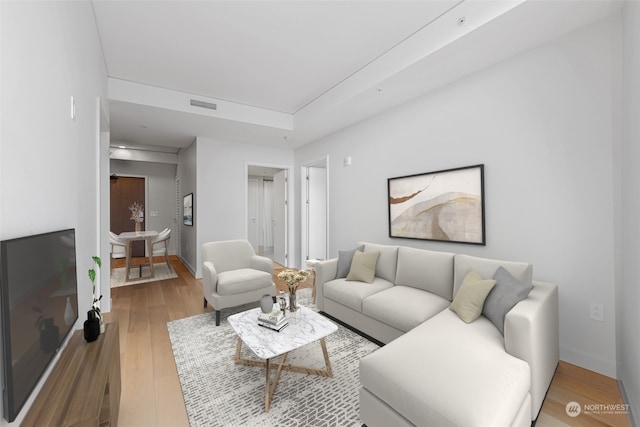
(436, 369)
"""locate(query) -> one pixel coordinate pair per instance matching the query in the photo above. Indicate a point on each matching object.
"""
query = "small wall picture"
(446, 205)
(187, 210)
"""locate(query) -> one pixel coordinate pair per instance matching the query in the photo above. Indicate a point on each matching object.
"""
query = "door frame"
(146, 198)
(255, 239)
(289, 240)
(324, 161)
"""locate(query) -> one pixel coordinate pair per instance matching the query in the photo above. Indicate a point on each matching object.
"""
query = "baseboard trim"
(186, 264)
(587, 361)
(625, 397)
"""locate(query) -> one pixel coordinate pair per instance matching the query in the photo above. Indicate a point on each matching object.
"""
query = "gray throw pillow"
(344, 262)
(505, 294)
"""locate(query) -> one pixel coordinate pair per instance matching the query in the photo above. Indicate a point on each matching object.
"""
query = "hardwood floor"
(151, 394)
(589, 389)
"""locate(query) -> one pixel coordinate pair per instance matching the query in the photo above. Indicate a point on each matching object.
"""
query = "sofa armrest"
(531, 333)
(209, 279)
(261, 263)
(325, 271)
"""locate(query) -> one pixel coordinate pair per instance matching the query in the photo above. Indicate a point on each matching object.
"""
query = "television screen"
(38, 291)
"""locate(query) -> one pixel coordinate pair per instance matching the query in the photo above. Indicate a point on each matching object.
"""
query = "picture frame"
(187, 210)
(445, 205)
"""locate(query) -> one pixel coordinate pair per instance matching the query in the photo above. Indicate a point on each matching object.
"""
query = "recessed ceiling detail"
(306, 67)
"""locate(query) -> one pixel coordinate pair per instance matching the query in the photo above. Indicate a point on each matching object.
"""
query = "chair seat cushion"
(446, 372)
(243, 280)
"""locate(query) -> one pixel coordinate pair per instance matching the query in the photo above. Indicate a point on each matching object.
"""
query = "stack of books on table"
(275, 320)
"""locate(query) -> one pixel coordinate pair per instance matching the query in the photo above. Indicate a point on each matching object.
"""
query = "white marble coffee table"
(267, 344)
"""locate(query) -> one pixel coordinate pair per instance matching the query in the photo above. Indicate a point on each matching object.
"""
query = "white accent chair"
(160, 245)
(232, 275)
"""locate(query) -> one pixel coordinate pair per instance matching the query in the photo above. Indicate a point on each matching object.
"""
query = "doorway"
(315, 209)
(124, 191)
(267, 216)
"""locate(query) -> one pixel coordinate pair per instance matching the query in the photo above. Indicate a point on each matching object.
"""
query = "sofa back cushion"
(387, 262)
(427, 270)
(521, 271)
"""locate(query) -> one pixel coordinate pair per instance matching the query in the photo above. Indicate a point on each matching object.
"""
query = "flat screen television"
(38, 291)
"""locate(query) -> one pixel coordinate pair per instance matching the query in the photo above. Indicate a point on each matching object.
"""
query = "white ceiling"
(322, 65)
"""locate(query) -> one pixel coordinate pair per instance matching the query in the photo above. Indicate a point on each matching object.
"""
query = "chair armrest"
(209, 279)
(325, 271)
(531, 333)
(261, 263)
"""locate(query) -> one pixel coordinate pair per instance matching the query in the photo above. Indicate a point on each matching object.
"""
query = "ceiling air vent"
(203, 104)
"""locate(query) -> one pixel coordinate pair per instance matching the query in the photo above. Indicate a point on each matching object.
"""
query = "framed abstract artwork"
(187, 209)
(446, 205)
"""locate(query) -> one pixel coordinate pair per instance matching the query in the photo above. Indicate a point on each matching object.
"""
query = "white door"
(279, 218)
(252, 217)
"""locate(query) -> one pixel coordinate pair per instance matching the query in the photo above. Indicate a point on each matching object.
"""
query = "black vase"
(91, 327)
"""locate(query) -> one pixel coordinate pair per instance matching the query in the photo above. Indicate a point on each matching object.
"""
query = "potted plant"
(93, 326)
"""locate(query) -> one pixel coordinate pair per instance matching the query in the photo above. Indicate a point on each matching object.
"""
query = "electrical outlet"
(596, 312)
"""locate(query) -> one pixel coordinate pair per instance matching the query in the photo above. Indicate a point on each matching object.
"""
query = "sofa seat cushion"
(448, 373)
(351, 293)
(243, 280)
(403, 307)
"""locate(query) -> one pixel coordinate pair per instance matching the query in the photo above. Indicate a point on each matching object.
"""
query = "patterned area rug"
(219, 393)
(161, 272)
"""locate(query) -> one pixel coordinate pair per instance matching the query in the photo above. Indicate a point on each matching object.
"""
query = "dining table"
(132, 236)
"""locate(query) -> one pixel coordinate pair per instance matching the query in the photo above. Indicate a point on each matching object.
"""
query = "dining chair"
(118, 247)
(160, 246)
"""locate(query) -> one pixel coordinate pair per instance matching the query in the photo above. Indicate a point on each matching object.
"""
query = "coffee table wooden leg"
(270, 386)
(327, 363)
(238, 348)
(267, 386)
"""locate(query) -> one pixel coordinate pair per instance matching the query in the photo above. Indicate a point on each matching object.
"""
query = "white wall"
(629, 292)
(542, 124)
(187, 168)
(222, 187)
(161, 197)
(50, 163)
